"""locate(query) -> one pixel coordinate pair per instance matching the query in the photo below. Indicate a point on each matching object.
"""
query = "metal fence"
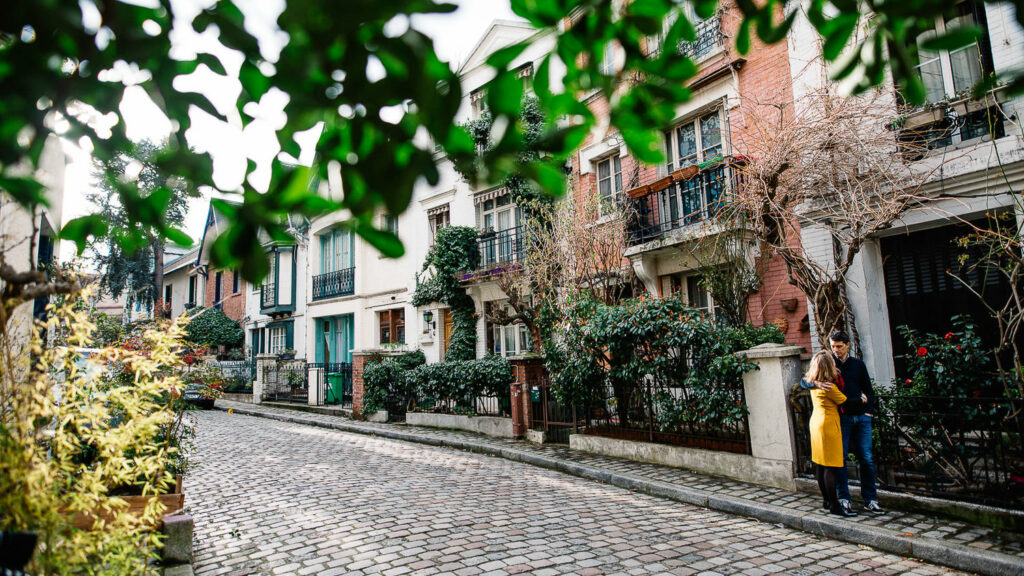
(652, 412)
(479, 406)
(239, 373)
(965, 449)
(331, 381)
(681, 204)
(286, 382)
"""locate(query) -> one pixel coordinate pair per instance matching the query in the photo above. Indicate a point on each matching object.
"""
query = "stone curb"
(928, 549)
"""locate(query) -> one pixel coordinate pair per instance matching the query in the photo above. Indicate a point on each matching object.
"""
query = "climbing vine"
(532, 125)
(454, 252)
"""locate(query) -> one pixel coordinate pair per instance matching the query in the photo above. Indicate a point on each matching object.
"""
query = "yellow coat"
(826, 435)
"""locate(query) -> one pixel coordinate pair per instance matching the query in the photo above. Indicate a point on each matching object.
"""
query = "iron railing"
(548, 415)
(268, 295)
(338, 283)
(681, 204)
(709, 37)
(286, 382)
(501, 247)
(332, 381)
(966, 449)
(241, 372)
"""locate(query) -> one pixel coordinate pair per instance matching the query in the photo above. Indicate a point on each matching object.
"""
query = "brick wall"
(359, 361)
(233, 303)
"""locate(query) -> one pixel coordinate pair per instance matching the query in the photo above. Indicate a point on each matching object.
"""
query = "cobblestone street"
(271, 497)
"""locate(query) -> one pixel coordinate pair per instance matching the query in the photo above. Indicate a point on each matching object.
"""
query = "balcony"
(501, 247)
(681, 203)
(338, 283)
(709, 37)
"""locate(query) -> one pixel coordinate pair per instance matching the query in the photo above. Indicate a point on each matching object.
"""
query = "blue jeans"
(857, 439)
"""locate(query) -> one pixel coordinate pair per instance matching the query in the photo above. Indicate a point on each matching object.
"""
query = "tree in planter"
(829, 162)
(211, 327)
(454, 252)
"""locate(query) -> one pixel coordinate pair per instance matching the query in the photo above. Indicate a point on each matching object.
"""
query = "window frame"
(614, 180)
(673, 160)
(392, 320)
(277, 339)
(332, 250)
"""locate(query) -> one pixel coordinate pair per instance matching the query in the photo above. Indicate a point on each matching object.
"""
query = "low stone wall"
(777, 473)
(488, 425)
(238, 397)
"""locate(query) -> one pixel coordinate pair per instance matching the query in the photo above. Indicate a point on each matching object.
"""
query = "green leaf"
(743, 37)
(80, 229)
(953, 38)
(25, 191)
(504, 94)
(388, 244)
(178, 237)
(842, 27)
(550, 178)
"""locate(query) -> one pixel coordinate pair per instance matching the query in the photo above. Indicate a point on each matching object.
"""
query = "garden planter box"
(487, 425)
(173, 504)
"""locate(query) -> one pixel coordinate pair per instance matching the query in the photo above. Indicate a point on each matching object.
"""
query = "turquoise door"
(335, 336)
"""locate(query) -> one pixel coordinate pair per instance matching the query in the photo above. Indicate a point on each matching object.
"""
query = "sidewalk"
(938, 540)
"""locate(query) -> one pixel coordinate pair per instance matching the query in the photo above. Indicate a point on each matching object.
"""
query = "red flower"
(908, 381)
(922, 351)
(957, 347)
(949, 336)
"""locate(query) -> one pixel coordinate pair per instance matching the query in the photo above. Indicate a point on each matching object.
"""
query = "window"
(438, 218)
(694, 141)
(525, 73)
(478, 102)
(392, 326)
(277, 336)
(499, 239)
(336, 251)
(499, 214)
(167, 295)
(655, 41)
(235, 281)
(216, 287)
(696, 296)
(948, 73)
(391, 224)
(510, 339)
(609, 181)
(192, 281)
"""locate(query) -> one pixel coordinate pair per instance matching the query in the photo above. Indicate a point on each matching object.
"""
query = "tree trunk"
(158, 277)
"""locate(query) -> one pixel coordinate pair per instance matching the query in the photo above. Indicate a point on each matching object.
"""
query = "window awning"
(489, 195)
(438, 210)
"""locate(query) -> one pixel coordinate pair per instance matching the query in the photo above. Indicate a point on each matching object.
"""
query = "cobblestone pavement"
(906, 523)
(273, 497)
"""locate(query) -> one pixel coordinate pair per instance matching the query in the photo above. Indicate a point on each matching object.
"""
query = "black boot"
(842, 508)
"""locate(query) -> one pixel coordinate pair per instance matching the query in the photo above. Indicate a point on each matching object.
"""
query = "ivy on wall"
(532, 126)
(453, 253)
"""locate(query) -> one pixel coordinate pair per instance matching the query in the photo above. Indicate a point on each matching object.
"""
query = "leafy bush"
(648, 346)
(387, 384)
(454, 251)
(211, 327)
(955, 364)
(405, 381)
(114, 431)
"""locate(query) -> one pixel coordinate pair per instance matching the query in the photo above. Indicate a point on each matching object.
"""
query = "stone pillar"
(767, 396)
(526, 370)
(258, 385)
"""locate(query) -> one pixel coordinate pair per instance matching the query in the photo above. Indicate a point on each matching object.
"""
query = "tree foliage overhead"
(375, 89)
(127, 256)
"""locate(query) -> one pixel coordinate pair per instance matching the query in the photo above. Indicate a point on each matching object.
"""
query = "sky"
(229, 144)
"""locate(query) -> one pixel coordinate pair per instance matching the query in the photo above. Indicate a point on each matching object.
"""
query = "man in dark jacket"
(855, 417)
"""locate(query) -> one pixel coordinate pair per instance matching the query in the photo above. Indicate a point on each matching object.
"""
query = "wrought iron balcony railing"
(338, 283)
(682, 203)
(709, 37)
(501, 247)
(268, 295)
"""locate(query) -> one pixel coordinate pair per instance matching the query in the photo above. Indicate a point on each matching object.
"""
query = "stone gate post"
(260, 384)
(772, 438)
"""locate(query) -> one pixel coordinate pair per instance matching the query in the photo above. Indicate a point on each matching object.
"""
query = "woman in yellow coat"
(826, 435)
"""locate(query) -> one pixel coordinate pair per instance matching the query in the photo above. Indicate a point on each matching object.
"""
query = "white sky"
(454, 36)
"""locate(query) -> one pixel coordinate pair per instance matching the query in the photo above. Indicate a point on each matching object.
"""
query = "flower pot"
(173, 503)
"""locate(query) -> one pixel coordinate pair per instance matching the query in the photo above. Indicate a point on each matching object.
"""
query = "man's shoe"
(842, 508)
(874, 508)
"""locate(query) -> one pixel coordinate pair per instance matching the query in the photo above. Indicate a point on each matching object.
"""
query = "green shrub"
(211, 327)
(387, 384)
(458, 383)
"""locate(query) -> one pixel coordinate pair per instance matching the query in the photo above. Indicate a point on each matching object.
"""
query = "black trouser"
(826, 477)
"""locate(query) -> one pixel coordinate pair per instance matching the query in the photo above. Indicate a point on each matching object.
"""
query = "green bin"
(335, 387)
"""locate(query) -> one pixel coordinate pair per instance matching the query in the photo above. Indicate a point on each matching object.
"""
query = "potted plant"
(286, 354)
(296, 380)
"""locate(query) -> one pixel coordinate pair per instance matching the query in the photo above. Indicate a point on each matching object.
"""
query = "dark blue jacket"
(856, 380)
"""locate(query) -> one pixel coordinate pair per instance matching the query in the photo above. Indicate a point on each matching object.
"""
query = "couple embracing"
(841, 423)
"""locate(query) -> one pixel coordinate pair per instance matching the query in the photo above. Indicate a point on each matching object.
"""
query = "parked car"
(199, 395)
